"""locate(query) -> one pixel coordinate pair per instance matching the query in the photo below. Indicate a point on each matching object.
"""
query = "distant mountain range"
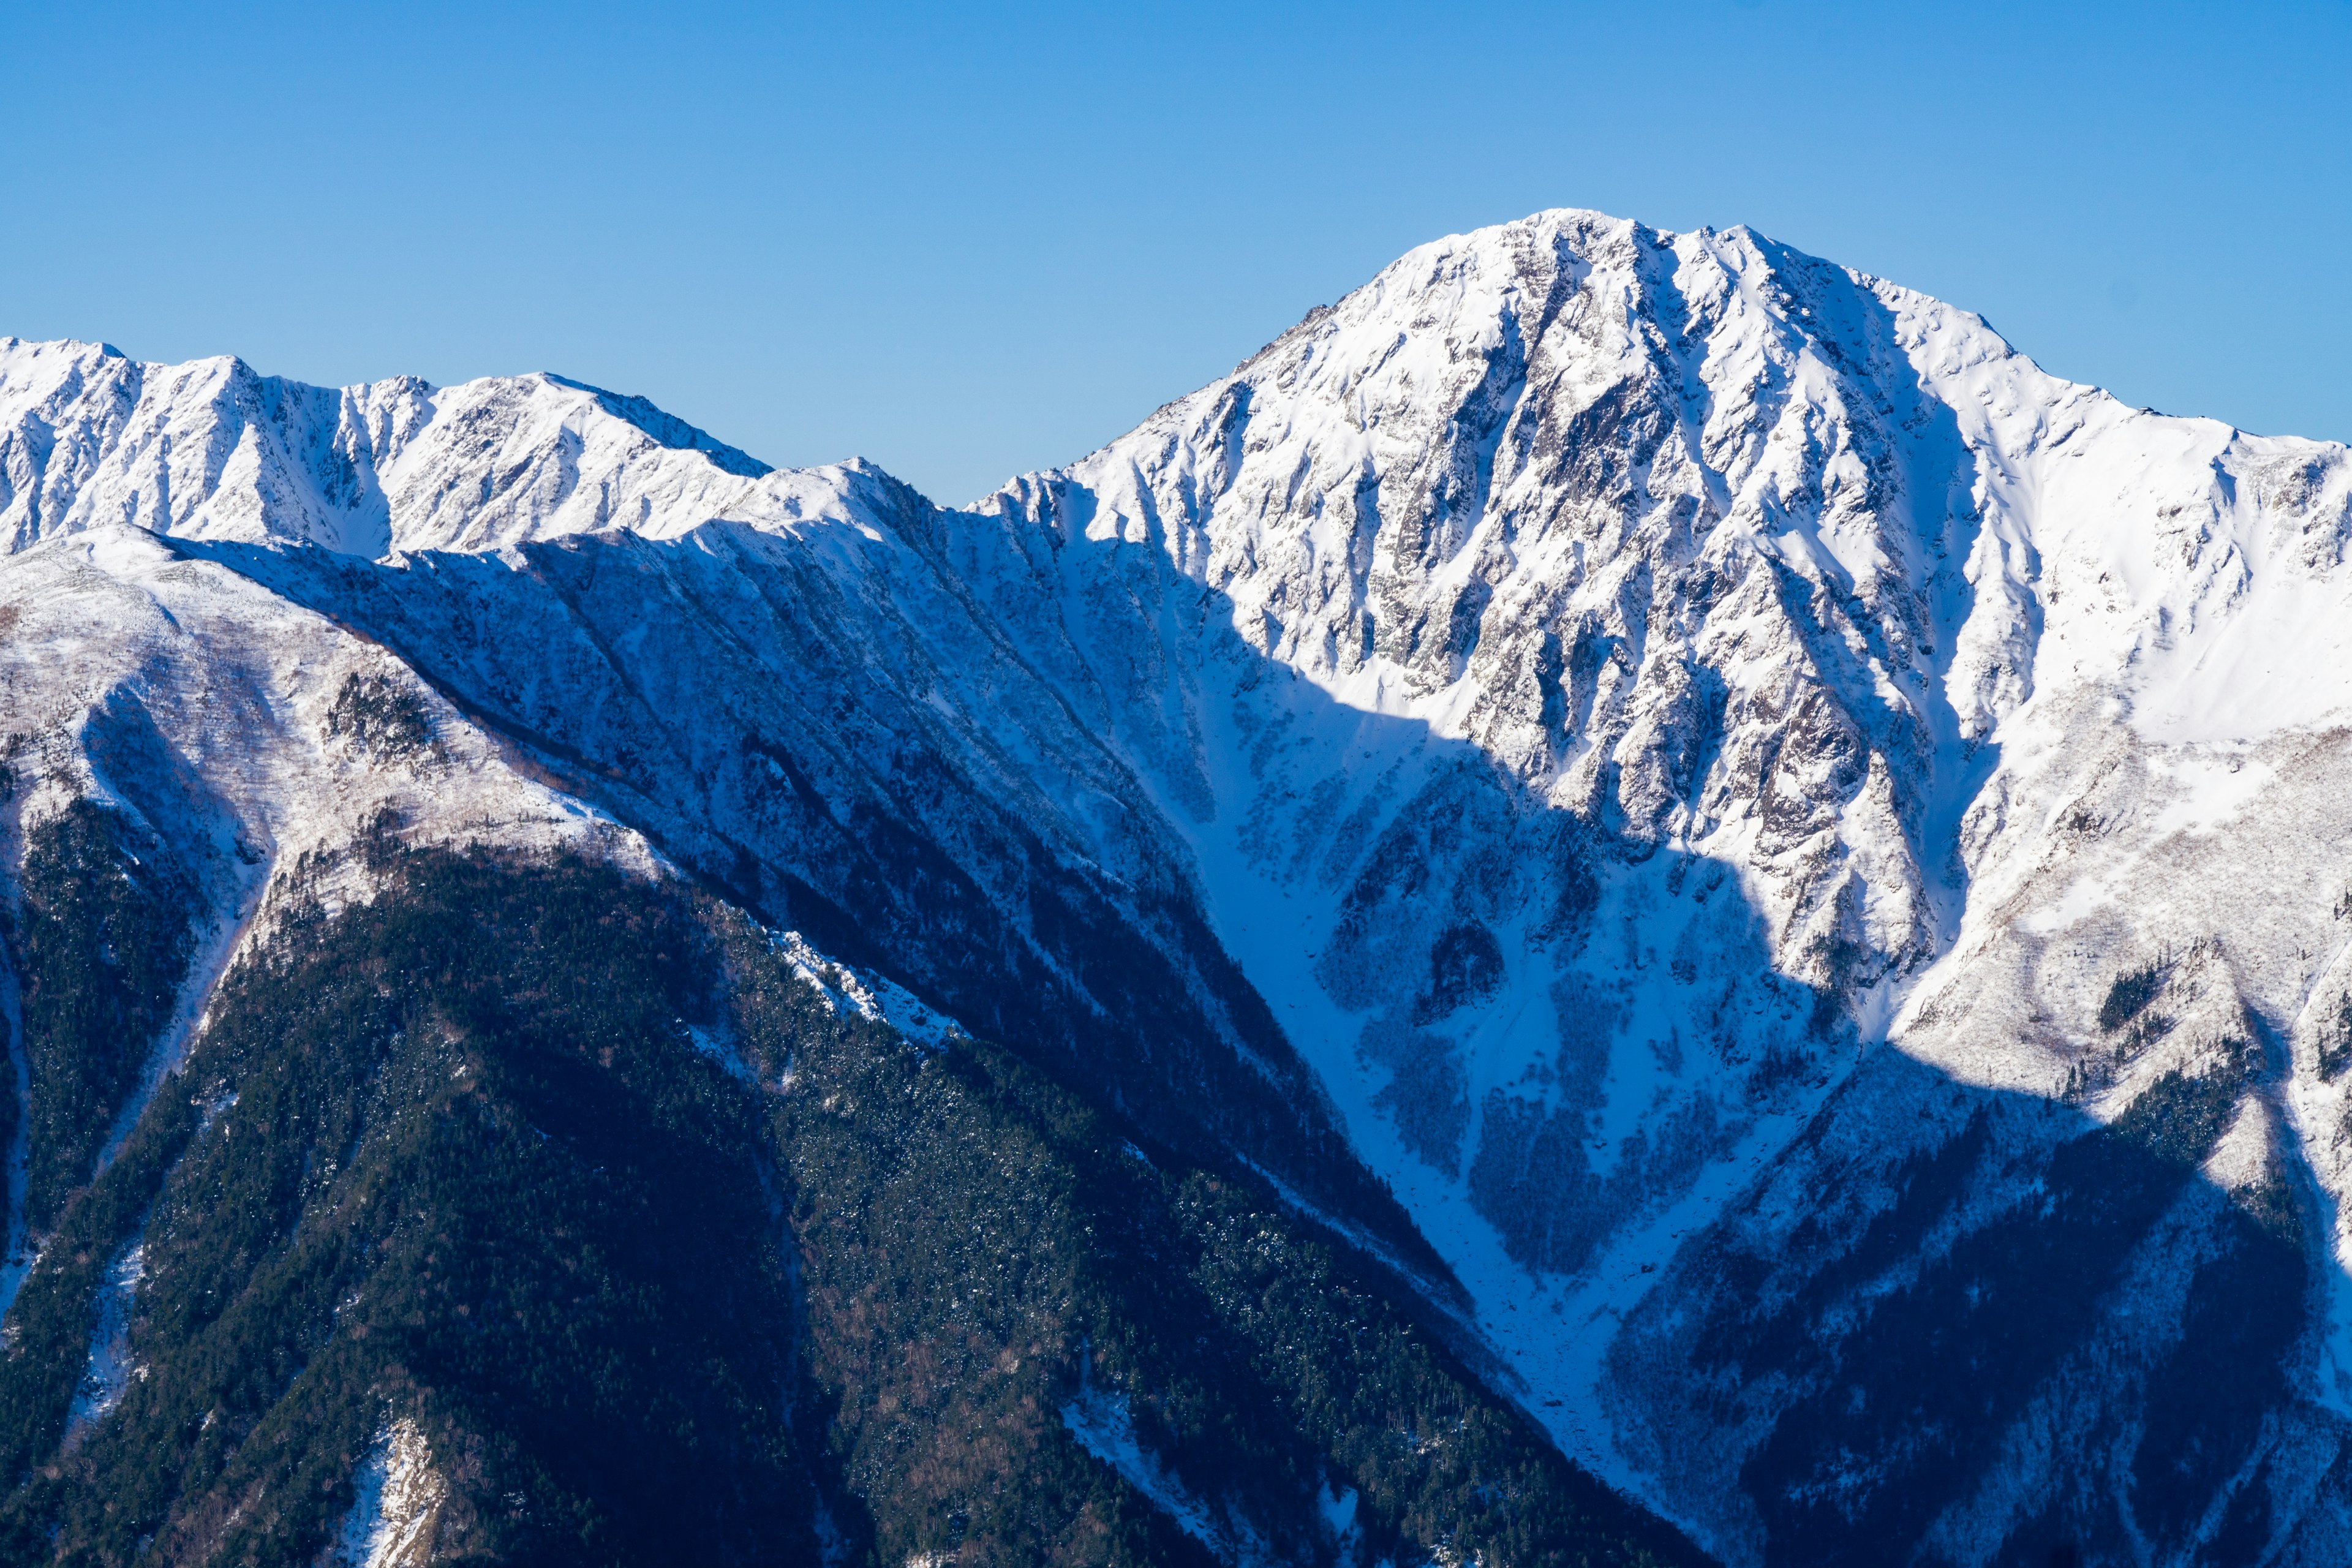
(1637, 898)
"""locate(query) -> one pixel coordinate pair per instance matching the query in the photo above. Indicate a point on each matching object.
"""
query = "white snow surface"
(1614, 692)
(194, 701)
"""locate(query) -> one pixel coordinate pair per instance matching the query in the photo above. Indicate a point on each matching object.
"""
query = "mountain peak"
(668, 430)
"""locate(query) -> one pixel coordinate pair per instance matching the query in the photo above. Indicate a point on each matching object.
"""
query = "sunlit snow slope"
(1806, 852)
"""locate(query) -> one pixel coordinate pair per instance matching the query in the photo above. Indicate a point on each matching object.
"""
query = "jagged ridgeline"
(532, 1210)
(1779, 869)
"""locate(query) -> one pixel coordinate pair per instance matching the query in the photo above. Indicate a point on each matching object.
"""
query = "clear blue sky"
(969, 240)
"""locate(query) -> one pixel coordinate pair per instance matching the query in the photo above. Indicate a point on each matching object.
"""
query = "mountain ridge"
(1595, 740)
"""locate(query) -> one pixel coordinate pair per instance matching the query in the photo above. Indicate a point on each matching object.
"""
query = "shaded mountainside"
(1625, 844)
(661, 1258)
(790, 744)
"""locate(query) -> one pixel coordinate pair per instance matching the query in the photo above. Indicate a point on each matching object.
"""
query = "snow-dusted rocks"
(391, 1522)
(213, 714)
(1805, 852)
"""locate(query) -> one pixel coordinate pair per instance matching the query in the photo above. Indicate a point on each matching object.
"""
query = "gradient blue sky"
(966, 241)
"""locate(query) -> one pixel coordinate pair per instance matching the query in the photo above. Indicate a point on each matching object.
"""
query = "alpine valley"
(1636, 900)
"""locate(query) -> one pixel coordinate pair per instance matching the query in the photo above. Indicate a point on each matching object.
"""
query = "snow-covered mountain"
(1780, 862)
(1613, 683)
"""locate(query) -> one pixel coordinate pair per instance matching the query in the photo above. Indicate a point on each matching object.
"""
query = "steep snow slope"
(203, 706)
(812, 718)
(1602, 689)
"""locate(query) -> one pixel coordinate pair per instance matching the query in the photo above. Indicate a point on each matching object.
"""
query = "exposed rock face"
(1805, 852)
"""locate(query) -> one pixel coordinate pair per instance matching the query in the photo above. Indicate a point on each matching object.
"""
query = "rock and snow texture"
(399, 1500)
(211, 450)
(874, 997)
(228, 726)
(1611, 679)
(1808, 852)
